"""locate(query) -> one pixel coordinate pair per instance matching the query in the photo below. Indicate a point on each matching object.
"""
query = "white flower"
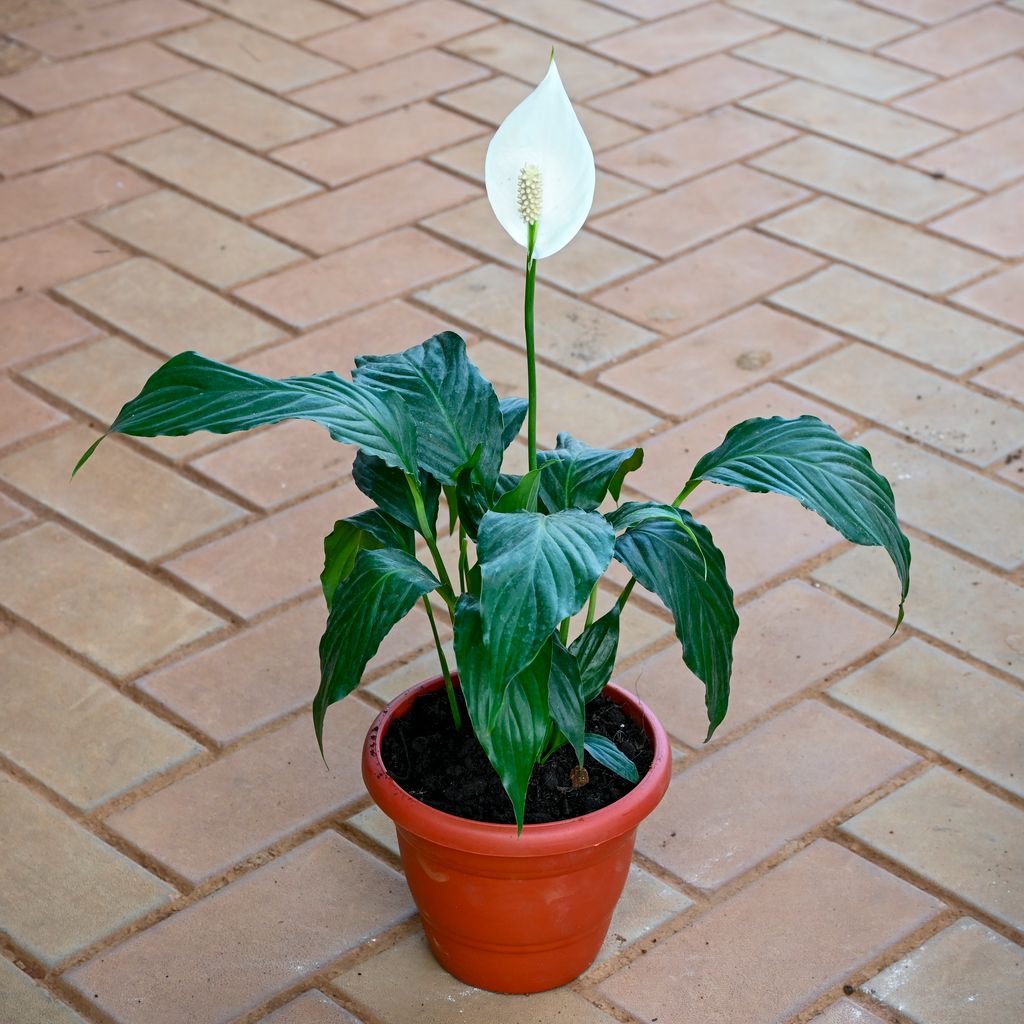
(540, 167)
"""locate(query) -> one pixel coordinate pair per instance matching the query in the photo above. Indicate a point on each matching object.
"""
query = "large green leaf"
(594, 650)
(681, 564)
(513, 412)
(389, 488)
(381, 589)
(579, 476)
(806, 459)
(512, 722)
(452, 404)
(368, 530)
(565, 696)
(535, 571)
(190, 393)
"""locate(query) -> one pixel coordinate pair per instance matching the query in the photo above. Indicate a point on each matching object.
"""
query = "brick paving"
(802, 205)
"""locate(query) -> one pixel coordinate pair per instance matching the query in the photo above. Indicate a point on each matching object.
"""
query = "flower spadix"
(540, 169)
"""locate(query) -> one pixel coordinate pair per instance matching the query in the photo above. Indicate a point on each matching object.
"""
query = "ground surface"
(803, 205)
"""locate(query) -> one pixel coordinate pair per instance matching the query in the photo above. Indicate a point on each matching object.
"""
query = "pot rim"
(488, 838)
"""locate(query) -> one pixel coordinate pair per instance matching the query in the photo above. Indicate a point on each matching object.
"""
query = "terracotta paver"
(972, 100)
(271, 561)
(392, 138)
(846, 118)
(848, 23)
(986, 624)
(877, 244)
(50, 256)
(193, 238)
(863, 180)
(119, 23)
(252, 797)
(658, 101)
(896, 319)
(792, 935)
(167, 311)
(732, 354)
(806, 57)
(773, 784)
(211, 169)
(252, 55)
(178, 967)
(371, 206)
(517, 50)
(73, 732)
(380, 268)
(65, 191)
(33, 325)
(668, 223)
(770, 665)
(94, 603)
(801, 206)
(969, 716)
(27, 1001)
(64, 888)
(941, 827)
(437, 1003)
(916, 402)
(700, 144)
(966, 973)
(311, 1008)
(383, 87)
(31, 144)
(577, 334)
(236, 110)
(593, 261)
(46, 87)
(406, 30)
(708, 282)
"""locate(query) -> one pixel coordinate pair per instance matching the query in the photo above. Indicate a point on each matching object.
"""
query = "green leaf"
(688, 575)
(381, 589)
(806, 459)
(513, 413)
(190, 393)
(452, 404)
(522, 497)
(565, 699)
(369, 530)
(579, 476)
(594, 650)
(389, 488)
(510, 722)
(633, 513)
(535, 571)
(602, 750)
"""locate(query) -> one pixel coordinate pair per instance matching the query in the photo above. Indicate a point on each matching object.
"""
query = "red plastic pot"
(508, 913)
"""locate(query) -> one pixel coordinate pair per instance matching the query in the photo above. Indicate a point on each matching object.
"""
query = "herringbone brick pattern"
(803, 206)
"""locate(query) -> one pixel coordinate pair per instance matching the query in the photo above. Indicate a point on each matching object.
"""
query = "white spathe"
(543, 132)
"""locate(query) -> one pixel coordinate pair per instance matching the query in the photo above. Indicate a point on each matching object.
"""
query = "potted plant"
(510, 903)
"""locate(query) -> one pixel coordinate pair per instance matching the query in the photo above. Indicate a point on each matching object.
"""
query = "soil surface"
(449, 770)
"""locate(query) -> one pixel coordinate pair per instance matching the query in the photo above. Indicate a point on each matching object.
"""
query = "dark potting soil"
(448, 769)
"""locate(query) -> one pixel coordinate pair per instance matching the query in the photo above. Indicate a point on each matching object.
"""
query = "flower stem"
(592, 607)
(531, 360)
(448, 684)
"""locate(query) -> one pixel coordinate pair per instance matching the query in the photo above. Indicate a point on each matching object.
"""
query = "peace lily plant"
(532, 547)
